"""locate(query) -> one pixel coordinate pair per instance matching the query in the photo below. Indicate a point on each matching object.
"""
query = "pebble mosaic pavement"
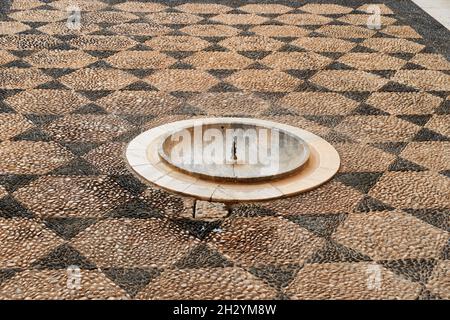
(71, 100)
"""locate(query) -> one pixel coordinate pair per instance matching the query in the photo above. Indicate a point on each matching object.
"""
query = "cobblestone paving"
(70, 100)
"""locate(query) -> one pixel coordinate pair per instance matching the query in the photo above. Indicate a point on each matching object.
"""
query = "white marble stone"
(146, 162)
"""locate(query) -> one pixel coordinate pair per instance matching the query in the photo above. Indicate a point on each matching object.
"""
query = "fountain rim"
(249, 178)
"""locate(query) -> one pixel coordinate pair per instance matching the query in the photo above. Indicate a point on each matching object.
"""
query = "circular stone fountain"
(233, 162)
(232, 159)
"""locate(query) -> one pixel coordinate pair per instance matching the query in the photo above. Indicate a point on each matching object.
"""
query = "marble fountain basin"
(232, 159)
(234, 151)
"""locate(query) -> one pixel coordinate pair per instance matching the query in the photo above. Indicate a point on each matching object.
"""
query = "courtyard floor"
(75, 223)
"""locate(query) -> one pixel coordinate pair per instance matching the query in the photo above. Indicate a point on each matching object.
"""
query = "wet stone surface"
(71, 100)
